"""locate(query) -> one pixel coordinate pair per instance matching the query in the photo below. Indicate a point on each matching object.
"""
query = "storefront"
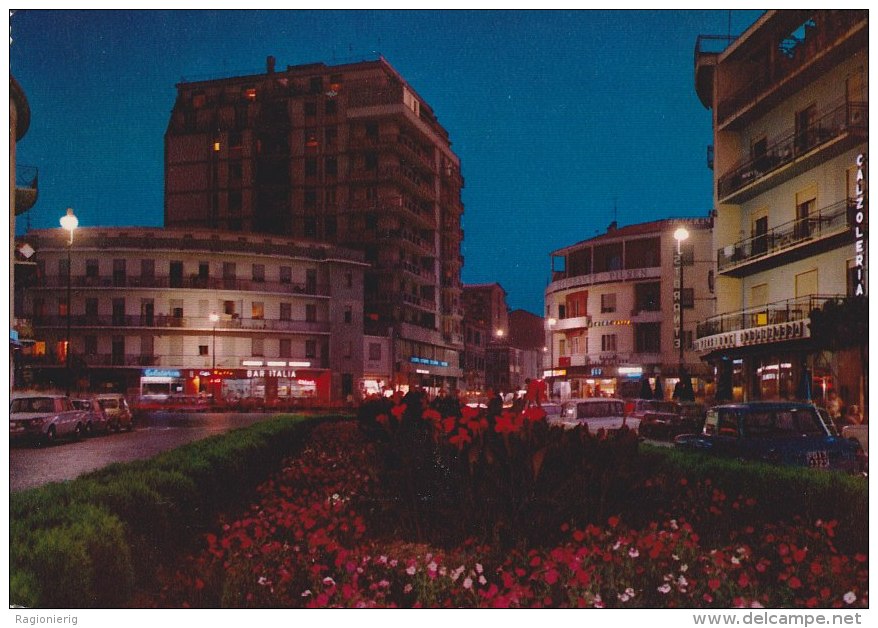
(283, 386)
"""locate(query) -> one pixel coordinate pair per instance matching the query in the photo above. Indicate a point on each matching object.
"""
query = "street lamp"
(680, 235)
(69, 222)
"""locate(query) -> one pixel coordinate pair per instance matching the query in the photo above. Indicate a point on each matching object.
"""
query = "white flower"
(598, 602)
(629, 592)
(682, 581)
(674, 525)
(755, 604)
(850, 597)
(684, 568)
(407, 588)
(675, 557)
(482, 580)
(306, 593)
(665, 588)
(479, 567)
(617, 545)
(735, 560)
(329, 581)
(382, 560)
(442, 571)
(263, 581)
(432, 566)
(633, 553)
(393, 562)
(383, 584)
(468, 583)
(456, 573)
(623, 597)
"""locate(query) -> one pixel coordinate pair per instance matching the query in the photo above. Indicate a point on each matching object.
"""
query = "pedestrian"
(495, 403)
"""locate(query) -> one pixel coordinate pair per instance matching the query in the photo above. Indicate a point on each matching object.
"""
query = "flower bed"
(350, 522)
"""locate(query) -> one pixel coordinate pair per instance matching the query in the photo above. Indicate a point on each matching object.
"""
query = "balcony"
(573, 322)
(26, 188)
(187, 283)
(404, 205)
(795, 152)
(200, 325)
(773, 322)
(825, 38)
(786, 241)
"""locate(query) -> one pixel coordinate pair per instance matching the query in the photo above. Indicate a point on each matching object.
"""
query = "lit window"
(250, 94)
(216, 147)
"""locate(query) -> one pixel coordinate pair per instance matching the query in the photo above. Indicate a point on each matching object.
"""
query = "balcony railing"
(197, 283)
(826, 33)
(826, 222)
(850, 117)
(786, 311)
(26, 188)
(203, 325)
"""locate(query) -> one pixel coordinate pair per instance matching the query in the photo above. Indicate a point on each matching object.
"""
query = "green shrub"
(75, 544)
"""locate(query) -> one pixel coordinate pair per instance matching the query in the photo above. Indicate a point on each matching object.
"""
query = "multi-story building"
(346, 154)
(186, 311)
(789, 104)
(527, 339)
(486, 320)
(616, 307)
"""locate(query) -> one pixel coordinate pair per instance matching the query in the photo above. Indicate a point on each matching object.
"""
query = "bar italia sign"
(860, 228)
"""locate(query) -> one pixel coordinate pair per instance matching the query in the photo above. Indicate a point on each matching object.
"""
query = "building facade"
(486, 320)
(148, 310)
(617, 312)
(346, 154)
(789, 104)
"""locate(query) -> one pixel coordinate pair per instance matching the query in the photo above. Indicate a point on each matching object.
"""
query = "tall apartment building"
(789, 99)
(346, 154)
(151, 310)
(616, 307)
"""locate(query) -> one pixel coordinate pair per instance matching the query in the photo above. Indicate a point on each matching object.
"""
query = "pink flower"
(410, 570)
(850, 597)
(468, 583)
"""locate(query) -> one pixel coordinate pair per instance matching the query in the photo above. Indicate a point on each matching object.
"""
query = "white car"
(596, 413)
(859, 433)
(44, 418)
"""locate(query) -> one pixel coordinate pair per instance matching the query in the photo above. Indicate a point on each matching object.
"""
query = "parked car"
(43, 418)
(657, 418)
(595, 413)
(781, 432)
(116, 408)
(860, 435)
(94, 418)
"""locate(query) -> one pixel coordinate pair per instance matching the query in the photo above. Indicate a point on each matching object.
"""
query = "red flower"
(506, 424)
(613, 521)
(382, 419)
(799, 555)
(462, 437)
(714, 584)
(449, 424)
(743, 579)
(431, 415)
(398, 411)
(534, 413)
(469, 413)
(794, 583)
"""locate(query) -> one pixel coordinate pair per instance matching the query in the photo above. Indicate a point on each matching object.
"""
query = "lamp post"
(69, 222)
(680, 235)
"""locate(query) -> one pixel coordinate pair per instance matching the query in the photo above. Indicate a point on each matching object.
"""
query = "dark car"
(657, 418)
(787, 433)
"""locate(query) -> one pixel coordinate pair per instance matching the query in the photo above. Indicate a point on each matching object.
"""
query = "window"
(316, 84)
(309, 229)
(608, 342)
(687, 298)
(285, 348)
(257, 310)
(63, 267)
(348, 314)
(310, 197)
(331, 107)
(147, 268)
(348, 348)
(91, 268)
(310, 109)
(371, 161)
(374, 351)
(806, 203)
(806, 284)
(608, 303)
(62, 307)
(372, 130)
(250, 94)
(91, 308)
(310, 166)
(331, 135)
(647, 338)
(286, 274)
(229, 270)
(91, 345)
(203, 270)
(236, 171)
(286, 311)
(203, 350)
(119, 311)
(349, 280)
(256, 347)
(259, 273)
(310, 348)
(331, 166)
(119, 273)
(311, 313)
(647, 297)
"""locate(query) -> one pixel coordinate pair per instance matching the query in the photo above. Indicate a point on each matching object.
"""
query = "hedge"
(93, 541)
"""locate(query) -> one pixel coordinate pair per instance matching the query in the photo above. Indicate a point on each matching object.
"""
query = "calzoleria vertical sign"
(860, 227)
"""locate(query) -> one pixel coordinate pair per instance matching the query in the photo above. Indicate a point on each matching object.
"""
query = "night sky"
(563, 120)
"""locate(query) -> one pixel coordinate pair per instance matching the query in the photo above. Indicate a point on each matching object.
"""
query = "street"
(34, 466)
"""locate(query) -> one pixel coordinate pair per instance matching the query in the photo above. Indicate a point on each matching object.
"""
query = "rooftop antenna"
(730, 25)
(615, 210)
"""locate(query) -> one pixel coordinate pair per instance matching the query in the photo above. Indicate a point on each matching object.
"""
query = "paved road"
(34, 466)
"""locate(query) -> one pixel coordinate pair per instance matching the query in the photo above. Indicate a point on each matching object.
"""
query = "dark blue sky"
(557, 116)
